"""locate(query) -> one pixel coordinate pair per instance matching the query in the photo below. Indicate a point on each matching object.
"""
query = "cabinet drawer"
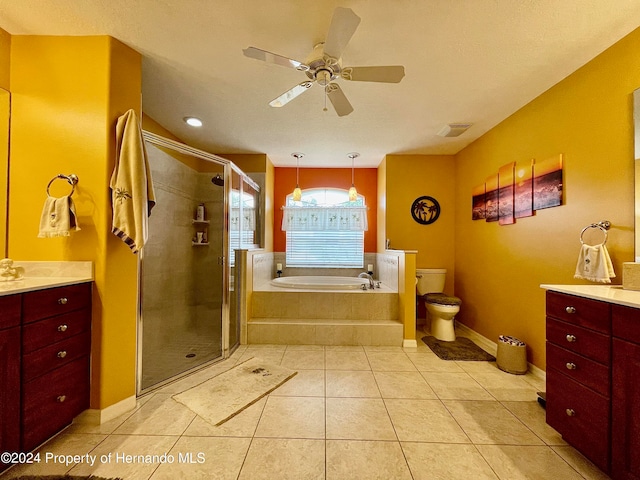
(50, 402)
(580, 415)
(55, 329)
(580, 311)
(41, 361)
(55, 301)
(10, 308)
(587, 343)
(581, 369)
(626, 323)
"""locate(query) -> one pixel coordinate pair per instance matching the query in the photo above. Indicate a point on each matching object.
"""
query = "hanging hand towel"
(132, 193)
(58, 217)
(594, 264)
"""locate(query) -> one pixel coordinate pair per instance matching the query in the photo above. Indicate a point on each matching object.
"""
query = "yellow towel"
(58, 217)
(132, 193)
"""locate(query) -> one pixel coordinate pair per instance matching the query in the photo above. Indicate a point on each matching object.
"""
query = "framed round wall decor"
(425, 210)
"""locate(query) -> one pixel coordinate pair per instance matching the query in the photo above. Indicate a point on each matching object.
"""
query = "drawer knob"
(570, 309)
(61, 398)
(63, 300)
(62, 354)
(571, 338)
(571, 412)
(571, 366)
(62, 328)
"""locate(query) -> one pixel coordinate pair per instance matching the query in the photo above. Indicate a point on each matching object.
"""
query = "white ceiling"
(475, 61)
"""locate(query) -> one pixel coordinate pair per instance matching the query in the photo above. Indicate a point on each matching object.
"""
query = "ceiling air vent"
(453, 129)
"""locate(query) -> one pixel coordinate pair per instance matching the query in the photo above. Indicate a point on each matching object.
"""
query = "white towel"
(594, 264)
(132, 193)
(58, 218)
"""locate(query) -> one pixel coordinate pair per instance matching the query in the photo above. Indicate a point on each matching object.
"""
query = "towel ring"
(603, 226)
(72, 179)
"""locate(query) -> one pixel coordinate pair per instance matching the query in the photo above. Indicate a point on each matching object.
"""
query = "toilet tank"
(430, 280)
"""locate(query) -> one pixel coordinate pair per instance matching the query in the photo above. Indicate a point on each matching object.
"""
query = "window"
(325, 230)
(242, 223)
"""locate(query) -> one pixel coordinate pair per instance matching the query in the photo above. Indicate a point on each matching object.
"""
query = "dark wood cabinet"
(56, 346)
(579, 374)
(9, 391)
(45, 347)
(625, 449)
(593, 380)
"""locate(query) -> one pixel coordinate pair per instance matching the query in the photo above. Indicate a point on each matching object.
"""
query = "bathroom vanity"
(45, 346)
(593, 373)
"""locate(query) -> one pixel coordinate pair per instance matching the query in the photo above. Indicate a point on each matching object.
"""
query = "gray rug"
(460, 349)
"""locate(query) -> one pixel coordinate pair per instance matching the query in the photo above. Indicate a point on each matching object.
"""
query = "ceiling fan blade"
(338, 99)
(343, 26)
(256, 53)
(289, 95)
(386, 74)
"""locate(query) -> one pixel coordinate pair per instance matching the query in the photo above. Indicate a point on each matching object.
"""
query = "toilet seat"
(441, 299)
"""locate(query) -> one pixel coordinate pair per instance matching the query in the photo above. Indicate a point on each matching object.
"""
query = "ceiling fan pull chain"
(325, 99)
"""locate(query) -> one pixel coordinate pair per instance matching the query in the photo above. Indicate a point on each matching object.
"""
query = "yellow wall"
(67, 93)
(382, 206)
(588, 118)
(5, 54)
(406, 178)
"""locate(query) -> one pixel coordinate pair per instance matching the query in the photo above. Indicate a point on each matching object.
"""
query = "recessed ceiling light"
(193, 121)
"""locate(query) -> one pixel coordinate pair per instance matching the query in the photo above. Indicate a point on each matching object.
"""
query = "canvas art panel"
(491, 198)
(478, 203)
(523, 194)
(547, 183)
(505, 194)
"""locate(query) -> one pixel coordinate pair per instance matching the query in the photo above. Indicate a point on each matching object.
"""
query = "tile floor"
(351, 413)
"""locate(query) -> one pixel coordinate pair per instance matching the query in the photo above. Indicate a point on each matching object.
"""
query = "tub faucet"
(369, 277)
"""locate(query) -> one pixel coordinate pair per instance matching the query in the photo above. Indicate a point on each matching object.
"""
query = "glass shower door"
(183, 288)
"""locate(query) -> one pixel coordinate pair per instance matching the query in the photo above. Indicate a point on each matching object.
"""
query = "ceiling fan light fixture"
(193, 121)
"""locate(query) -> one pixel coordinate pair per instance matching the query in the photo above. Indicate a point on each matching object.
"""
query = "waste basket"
(511, 356)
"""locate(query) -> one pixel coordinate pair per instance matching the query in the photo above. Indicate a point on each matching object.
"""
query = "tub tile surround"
(340, 417)
(39, 275)
(299, 317)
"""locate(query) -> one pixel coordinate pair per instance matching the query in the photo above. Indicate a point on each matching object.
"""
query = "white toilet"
(441, 308)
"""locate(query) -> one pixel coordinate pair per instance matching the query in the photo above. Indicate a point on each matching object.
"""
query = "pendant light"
(353, 193)
(297, 193)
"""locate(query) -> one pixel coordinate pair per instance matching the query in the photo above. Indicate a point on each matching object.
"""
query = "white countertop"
(606, 293)
(41, 275)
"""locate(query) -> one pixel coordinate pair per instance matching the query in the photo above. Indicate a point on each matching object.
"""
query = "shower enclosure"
(206, 208)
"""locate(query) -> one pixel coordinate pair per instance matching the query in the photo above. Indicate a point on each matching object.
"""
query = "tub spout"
(369, 277)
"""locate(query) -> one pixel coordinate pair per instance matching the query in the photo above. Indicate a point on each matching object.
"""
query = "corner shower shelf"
(204, 222)
(196, 244)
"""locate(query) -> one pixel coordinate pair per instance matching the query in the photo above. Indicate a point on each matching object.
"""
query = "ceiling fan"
(324, 65)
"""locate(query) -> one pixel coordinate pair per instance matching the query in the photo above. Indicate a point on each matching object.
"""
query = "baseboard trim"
(98, 417)
(409, 343)
(492, 348)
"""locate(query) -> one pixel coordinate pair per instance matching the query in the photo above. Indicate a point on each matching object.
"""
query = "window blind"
(329, 248)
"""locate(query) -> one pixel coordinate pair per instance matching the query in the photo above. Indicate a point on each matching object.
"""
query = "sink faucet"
(369, 277)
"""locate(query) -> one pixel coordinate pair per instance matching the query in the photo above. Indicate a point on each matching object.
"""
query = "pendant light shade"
(353, 193)
(297, 193)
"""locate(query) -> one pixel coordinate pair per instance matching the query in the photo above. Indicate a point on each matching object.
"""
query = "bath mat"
(460, 349)
(222, 397)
